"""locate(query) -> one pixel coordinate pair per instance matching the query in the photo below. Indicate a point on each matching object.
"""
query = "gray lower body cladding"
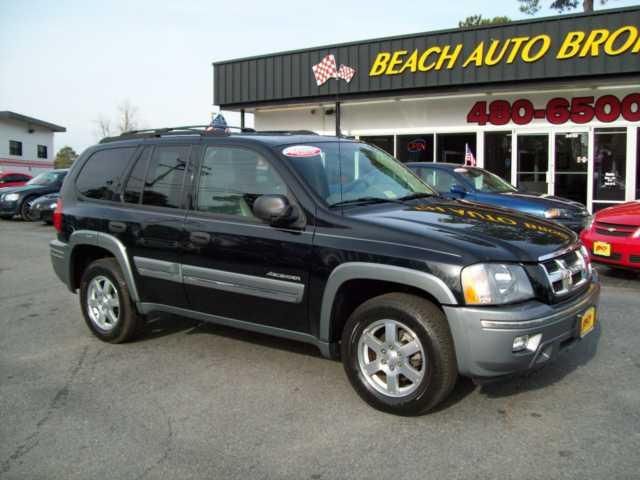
(483, 336)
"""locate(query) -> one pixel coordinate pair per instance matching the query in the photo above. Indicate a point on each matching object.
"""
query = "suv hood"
(472, 230)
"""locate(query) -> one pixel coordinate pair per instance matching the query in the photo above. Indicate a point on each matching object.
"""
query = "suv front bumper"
(483, 337)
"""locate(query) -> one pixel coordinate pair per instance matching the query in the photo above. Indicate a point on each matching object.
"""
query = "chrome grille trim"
(567, 272)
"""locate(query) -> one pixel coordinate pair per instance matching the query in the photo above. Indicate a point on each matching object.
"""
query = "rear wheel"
(106, 304)
(398, 353)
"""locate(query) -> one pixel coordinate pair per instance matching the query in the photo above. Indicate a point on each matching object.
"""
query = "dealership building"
(551, 104)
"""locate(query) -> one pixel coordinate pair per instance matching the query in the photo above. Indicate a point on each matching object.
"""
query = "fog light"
(533, 342)
(526, 342)
(520, 343)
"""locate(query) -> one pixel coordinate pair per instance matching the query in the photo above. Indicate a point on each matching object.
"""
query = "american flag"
(326, 69)
(469, 159)
(346, 73)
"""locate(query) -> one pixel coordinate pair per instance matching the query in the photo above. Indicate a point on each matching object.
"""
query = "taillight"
(57, 216)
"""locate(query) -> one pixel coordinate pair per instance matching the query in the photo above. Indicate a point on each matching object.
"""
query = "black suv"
(324, 240)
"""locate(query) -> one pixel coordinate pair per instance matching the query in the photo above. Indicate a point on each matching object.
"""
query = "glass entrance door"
(571, 165)
(609, 167)
(533, 162)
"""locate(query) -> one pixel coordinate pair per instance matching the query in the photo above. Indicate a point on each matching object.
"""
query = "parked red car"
(9, 179)
(614, 236)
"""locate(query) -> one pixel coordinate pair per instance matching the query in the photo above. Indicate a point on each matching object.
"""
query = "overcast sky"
(68, 62)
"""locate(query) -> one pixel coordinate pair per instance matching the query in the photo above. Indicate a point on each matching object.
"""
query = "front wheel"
(398, 354)
(25, 210)
(106, 304)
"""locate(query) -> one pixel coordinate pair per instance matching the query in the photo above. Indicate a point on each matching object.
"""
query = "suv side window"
(232, 178)
(163, 181)
(102, 172)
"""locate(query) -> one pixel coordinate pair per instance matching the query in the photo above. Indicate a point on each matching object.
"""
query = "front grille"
(566, 273)
(615, 230)
(634, 258)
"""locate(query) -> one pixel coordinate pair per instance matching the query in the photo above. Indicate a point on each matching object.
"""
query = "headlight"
(556, 213)
(11, 197)
(495, 283)
(637, 234)
(592, 219)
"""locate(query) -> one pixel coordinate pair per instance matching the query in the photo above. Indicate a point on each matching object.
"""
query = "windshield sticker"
(390, 194)
(460, 170)
(301, 151)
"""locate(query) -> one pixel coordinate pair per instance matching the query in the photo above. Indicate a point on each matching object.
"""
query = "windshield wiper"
(365, 201)
(416, 195)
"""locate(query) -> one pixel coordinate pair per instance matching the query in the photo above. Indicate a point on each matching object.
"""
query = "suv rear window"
(101, 174)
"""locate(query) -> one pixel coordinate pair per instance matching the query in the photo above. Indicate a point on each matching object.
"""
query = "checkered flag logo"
(325, 70)
(346, 73)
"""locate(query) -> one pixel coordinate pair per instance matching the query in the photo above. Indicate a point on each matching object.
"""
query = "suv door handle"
(200, 238)
(117, 227)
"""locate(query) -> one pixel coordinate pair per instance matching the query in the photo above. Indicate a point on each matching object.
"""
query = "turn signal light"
(57, 216)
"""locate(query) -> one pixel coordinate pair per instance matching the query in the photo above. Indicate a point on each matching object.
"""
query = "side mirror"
(458, 190)
(275, 210)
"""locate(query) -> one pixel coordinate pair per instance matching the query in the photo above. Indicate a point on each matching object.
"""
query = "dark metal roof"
(31, 121)
(286, 77)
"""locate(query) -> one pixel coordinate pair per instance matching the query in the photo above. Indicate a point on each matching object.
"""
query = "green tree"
(65, 157)
(477, 20)
(531, 7)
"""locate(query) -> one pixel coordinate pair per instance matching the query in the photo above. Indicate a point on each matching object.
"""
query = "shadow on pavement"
(577, 356)
(163, 324)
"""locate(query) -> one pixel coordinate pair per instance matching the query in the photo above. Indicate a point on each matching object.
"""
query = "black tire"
(129, 323)
(25, 210)
(429, 324)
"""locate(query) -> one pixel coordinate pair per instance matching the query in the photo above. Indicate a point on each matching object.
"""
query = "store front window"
(609, 166)
(451, 146)
(497, 154)
(571, 166)
(533, 162)
(415, 148)
(383, 142)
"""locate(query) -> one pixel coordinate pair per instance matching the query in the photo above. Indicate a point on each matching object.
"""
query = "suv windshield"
(45, 178)
(351, 172)
(484, 181)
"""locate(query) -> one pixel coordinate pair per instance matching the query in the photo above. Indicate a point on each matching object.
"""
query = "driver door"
(233, 264)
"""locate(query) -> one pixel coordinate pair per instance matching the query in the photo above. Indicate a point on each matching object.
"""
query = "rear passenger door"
(234, 265)
(152, 221)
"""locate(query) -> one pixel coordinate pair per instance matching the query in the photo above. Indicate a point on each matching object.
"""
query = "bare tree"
(128, 117)
(104, 126)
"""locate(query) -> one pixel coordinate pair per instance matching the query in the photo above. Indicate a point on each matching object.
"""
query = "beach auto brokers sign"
(528, 49)
(602, 44)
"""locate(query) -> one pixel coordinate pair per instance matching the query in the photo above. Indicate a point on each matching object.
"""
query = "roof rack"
(202, 130)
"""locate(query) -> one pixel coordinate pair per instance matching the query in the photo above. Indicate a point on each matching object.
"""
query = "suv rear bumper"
(59, 252)
(483, 337)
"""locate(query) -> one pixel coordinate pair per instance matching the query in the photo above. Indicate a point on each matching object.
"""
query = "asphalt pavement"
(194, 400)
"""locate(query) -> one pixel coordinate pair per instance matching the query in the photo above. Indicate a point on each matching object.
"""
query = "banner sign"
(594, 43)
(557, 111)
(603, 44)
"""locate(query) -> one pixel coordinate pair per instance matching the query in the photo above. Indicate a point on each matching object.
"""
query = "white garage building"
(26, 143)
